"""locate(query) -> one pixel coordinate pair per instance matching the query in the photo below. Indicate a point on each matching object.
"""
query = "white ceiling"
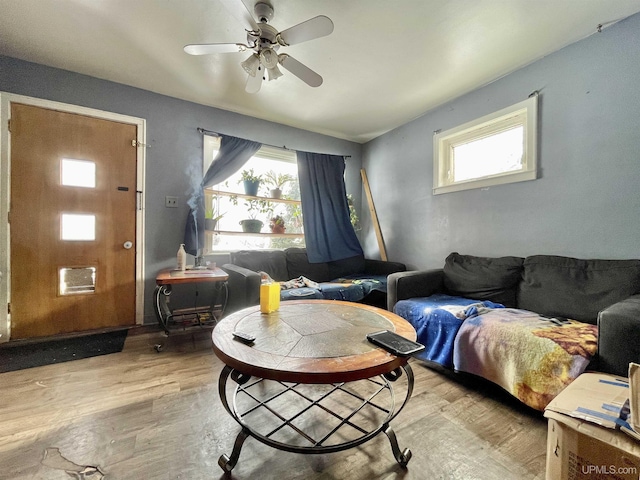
(386, 63)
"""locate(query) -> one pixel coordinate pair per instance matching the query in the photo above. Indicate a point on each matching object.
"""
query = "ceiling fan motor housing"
(267, 38)
(263, 11)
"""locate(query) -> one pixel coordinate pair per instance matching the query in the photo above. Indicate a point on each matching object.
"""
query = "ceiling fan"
(265, 41)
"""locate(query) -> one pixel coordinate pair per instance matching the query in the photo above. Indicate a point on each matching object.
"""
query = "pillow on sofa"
(483, 278)
(273, 262)
(298, 265)
(346, 266)
(574, 288)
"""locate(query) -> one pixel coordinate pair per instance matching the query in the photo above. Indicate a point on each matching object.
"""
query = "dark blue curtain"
(328, 232)
(234, 152)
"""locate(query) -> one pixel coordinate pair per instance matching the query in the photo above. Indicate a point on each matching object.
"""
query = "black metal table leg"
(228, 462)
(402, 457)
(220, 298)
(163, 314)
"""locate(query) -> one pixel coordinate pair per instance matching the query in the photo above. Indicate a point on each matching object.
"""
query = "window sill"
(261, 234)
(486, 182)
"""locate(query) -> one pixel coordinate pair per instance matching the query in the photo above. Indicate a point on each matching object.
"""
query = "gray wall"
(176, 146)
(584, 204)
(586, 201)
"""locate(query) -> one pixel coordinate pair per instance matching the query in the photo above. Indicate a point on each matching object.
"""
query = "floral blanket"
(532, 357)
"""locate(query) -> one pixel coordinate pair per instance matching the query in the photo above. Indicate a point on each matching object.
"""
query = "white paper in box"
(603, 399)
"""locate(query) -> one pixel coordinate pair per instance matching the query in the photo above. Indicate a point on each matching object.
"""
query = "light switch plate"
(171, 202)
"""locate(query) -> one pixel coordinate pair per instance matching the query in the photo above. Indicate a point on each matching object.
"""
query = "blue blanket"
(437, 320)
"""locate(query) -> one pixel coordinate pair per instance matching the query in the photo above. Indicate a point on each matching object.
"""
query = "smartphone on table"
(394, 343)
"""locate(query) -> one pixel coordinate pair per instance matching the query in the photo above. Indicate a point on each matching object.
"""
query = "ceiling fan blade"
(301, 71)
(254, 82)
(315, 27)
(206, 48)
(241, 13)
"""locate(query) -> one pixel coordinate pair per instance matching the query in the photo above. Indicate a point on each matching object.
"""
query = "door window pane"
(77, 280)
(78, 227)
(77, 173)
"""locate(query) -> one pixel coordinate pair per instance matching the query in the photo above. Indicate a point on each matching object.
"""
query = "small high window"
(495, 149)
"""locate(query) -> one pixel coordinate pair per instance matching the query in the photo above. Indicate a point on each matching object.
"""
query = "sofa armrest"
(415, 283)
(243, 287)
(618, 334)
(382, 267)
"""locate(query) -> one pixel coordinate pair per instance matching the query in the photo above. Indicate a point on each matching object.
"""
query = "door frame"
(6, 99)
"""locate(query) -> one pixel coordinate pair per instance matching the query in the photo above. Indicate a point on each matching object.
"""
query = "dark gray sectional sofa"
(292, 263)
(556, 297)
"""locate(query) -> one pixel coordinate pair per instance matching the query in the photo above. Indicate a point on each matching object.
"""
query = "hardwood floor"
(140, 414)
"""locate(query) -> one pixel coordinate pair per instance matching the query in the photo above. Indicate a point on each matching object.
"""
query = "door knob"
(127, 245)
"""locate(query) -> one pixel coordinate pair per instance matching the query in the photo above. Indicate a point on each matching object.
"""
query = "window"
(229, 202)
(74, 226)
(77, 173)
(495, 149)
(75, 280)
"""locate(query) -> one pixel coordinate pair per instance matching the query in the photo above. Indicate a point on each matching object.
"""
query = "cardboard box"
(584, 439)
(634, 399)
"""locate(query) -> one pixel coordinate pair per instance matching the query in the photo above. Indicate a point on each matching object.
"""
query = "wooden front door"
(72, 222)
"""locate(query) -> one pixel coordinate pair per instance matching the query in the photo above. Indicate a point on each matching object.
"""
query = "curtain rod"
(216, 134)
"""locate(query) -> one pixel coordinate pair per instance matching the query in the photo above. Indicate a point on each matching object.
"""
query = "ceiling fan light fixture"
(269, 58)
(274, 73)
(251, 64)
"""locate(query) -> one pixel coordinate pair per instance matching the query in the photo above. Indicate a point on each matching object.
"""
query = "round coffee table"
(311, 382)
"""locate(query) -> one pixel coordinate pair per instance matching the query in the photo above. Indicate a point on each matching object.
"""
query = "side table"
(167, 278)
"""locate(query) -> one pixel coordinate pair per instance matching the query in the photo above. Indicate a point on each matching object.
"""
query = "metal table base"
(165, 316)
(376, 408)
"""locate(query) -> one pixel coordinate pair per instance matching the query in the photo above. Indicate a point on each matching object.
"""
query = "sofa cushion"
(298, 265)
(483, 278)
(574, 288)
(273, 262)
(346, 266)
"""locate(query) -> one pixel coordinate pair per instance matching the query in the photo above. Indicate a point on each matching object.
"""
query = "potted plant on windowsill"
(255, 206)
(250, 181)
(353, 215)
(276, 224)
(277, 181)
(211, 213)
(211, 219)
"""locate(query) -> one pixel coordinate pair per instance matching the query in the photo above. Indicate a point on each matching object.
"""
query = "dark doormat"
(19, 356)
